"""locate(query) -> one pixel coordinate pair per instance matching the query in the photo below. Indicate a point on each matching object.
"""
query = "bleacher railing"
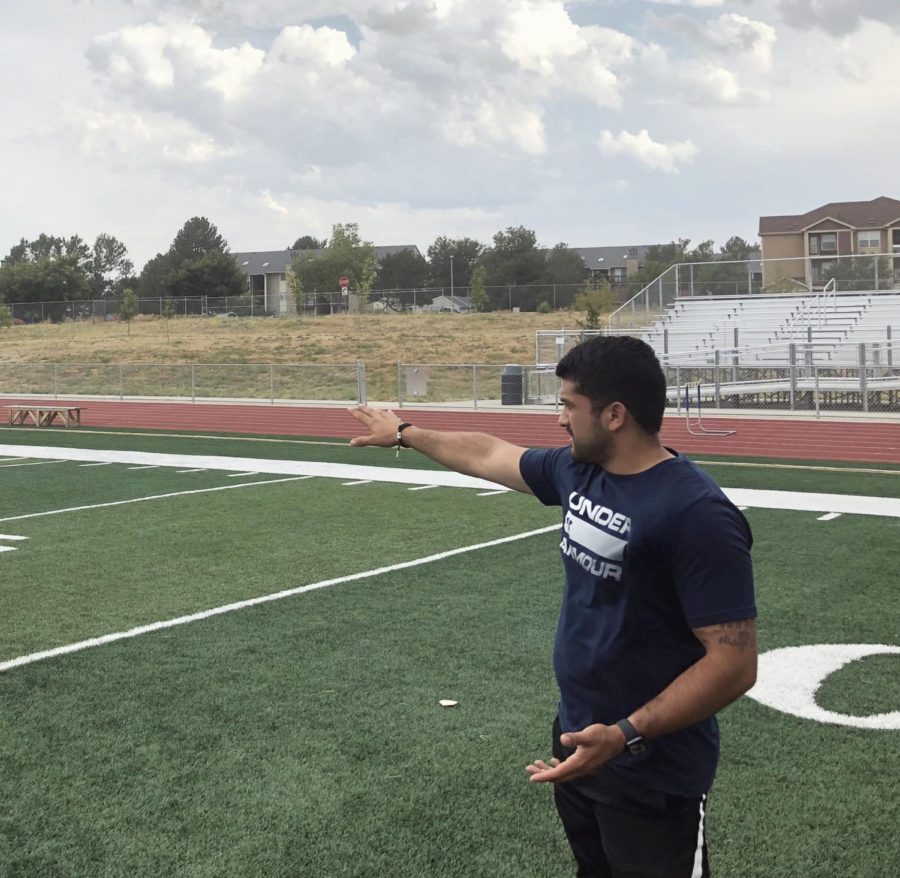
(870, 272)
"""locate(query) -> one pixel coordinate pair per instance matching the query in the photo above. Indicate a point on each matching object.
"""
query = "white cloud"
(641, 147)
(839, 16)
(698, 4)
(739, 34)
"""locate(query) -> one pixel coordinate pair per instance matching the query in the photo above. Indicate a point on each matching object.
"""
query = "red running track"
(798, 439)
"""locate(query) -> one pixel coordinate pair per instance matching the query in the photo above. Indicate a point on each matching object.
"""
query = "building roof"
(277, 261)
(264, 261)
(875, 214)
(604, 258)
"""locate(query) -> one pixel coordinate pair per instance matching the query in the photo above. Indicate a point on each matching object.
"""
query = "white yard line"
(491, 493)
(423, 487)
(36, 463)
(7, 548)
(11, 537)
(105, 463)
(361, 482)
(151, 466)
(238, 475)
(264, 599)
(831, 516)
(153, 497)
(177, 471)
(792, 500)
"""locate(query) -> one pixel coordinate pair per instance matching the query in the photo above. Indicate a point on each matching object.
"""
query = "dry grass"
(379, 341)
(374, 339)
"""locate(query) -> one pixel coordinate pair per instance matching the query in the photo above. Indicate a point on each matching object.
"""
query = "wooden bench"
(44, 415)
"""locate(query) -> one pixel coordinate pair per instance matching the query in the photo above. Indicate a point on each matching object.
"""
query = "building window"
(869, 240)
(617, 275)
(824, 244)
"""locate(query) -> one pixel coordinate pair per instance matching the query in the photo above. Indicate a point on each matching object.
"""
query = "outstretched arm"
(726, 671)
(474, 454)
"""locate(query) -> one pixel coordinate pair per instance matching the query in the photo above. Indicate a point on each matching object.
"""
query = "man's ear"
(616, 417)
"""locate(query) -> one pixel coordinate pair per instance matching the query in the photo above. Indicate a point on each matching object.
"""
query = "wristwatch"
(634, 742)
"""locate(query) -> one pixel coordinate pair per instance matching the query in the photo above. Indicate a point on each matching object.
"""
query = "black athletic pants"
(619, 830)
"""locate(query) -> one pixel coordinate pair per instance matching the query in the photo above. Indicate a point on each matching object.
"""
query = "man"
(657, 627)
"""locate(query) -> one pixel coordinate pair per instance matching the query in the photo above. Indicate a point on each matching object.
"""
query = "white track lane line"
(154, 497)
(264, 599)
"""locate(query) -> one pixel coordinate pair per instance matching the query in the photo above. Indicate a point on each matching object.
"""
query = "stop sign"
(344, 281)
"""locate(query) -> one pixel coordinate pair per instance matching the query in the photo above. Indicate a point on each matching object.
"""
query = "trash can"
(512, 385)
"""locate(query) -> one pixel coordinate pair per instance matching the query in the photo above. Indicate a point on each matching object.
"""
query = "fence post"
(666, 341)
(678, 389)
(792, 367)
(55, 374)
(816, 388)
(475, 380)
(361, 382)
(193, 383)
(510, 297)
(399, 385)
(716, 372)
(272, 383)
(890, 347)
(677, 282)
(121, 383)
(863, 385)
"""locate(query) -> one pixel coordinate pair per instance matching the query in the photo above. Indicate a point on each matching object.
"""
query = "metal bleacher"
(829, 326)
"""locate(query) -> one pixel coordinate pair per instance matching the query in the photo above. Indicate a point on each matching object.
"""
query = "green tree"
(308, 242)
(48, 269)
(197, 263)
(108, 266)
(346, 255)
(403, 270)
(465, 252)
(595, 300)
(152, 280)
(168, 312)
(128, 308)
(213, 274)
(477, 292)
(564, 266)
(197, 237)
(514, 265)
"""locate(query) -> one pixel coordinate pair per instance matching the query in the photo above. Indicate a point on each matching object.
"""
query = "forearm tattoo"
(741, 635)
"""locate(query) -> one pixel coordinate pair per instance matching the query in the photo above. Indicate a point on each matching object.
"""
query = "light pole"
(451, 281)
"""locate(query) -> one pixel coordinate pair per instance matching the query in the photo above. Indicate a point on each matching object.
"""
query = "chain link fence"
(340, 383)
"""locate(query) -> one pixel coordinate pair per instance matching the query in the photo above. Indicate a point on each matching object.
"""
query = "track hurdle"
(696, 428)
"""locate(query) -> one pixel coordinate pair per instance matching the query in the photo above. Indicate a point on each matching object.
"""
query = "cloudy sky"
(594, 122)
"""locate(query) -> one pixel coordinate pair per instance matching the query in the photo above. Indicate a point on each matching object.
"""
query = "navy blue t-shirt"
(647, 557)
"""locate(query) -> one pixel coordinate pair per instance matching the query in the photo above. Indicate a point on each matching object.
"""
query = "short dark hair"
(624, 369)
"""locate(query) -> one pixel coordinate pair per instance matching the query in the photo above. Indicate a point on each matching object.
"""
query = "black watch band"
(400, 428)
(634, 741)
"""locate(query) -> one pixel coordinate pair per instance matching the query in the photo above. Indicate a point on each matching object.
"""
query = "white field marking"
(423, 487)
(95, 464)
(743, 508)
(238, 475)
(263, 599)
(35, 463)
(821, 469)
(151, 466)
(7, 548)
(154, 497)
(177, 471)
(4, 459)
(345, 472)
(830, 517)
(217, 436)
(491, 493)
(351, 484)
(11, 537)
(791, 500)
